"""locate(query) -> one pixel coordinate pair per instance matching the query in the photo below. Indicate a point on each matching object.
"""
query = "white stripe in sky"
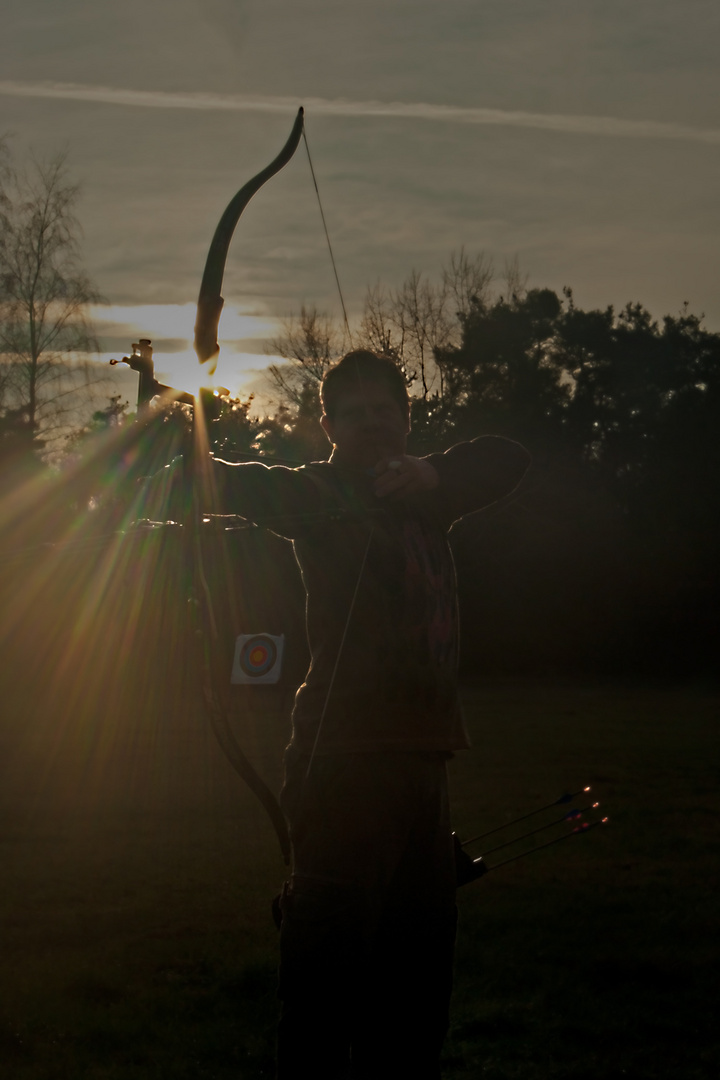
(614, 127)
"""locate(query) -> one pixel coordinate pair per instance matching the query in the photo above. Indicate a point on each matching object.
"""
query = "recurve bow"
(210, 304)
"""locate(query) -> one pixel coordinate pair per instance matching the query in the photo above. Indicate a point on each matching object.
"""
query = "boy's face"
(368, 426)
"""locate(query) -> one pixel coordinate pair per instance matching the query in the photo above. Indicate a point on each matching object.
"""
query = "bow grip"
(206, 329)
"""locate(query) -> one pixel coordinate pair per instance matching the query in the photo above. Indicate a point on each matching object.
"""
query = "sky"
(582, 138)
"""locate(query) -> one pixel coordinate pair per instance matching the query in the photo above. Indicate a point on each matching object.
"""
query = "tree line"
(605, 559)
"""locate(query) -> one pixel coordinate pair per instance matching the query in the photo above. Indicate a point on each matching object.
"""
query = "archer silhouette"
(368, 914)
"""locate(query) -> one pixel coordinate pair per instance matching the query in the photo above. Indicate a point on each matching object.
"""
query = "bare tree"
(420, 318)
(407, 324)
(378, 324)
(515, 281)
(414, 324)
(45, 332)
(468, 281)
(310, 343)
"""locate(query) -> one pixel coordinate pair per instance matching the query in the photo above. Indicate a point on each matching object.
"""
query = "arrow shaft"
(557, 840)
(533, 832)
(524, 817)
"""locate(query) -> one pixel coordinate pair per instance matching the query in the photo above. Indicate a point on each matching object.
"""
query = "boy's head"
(366, 409)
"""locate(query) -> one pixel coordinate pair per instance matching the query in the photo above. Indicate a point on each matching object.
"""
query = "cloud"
(242, 342)
(173, 324)
(569, 124)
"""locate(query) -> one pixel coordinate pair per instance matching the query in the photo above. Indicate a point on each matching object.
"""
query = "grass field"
(137, 882)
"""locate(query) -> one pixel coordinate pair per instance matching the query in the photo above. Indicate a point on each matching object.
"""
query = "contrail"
(609, 126)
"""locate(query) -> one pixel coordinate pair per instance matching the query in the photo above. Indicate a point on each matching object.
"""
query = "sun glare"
(68, 571)
(170, 327)
(181, 371)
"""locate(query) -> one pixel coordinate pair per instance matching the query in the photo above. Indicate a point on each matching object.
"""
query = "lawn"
(138, 874)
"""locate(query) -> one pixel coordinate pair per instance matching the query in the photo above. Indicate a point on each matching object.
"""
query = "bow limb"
(216, 701)
(210, 301)
(210, 304)
(226, 738)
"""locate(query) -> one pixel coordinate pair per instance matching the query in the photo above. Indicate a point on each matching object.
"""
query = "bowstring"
(327, 238)
(339, 652)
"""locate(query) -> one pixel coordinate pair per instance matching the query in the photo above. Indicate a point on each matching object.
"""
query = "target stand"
(257, 659)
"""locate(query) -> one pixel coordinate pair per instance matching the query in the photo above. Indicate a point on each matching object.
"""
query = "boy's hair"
(358, 367)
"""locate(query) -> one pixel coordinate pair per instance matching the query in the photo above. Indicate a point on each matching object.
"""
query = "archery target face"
(258, 658)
